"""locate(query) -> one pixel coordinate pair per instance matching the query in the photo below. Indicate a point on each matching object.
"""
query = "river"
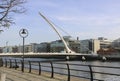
(99, 63)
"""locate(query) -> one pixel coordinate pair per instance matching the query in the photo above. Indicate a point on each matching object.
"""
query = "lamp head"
(23, 31)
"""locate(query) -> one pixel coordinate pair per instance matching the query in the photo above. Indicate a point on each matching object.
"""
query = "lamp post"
(23, 33)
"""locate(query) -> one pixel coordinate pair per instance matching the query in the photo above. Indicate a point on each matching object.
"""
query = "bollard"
(3, 77)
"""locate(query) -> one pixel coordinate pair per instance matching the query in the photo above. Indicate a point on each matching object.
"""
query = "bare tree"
(8, 7)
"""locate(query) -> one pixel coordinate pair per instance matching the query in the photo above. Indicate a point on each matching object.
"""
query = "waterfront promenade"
(17, 75)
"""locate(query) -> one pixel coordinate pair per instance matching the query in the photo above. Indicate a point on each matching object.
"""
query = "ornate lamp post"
(23, 33)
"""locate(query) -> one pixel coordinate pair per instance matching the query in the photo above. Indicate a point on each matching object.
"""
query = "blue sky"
(80, 18)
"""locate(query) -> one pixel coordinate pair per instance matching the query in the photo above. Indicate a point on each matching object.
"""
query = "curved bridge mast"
(68, 50)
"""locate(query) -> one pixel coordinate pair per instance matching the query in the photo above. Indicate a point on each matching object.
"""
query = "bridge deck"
(17, 75)
(48, 55)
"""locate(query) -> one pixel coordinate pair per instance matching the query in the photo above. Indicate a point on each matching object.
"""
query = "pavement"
(17, 75)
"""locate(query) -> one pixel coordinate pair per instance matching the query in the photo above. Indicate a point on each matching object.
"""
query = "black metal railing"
(70, 70)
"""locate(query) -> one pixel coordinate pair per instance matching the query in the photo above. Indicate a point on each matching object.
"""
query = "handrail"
(68, 68)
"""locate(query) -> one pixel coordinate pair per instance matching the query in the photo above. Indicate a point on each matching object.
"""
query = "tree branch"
(8, 7)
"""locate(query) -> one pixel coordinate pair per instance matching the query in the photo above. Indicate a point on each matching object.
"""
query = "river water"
(99, 63)
(107, 70)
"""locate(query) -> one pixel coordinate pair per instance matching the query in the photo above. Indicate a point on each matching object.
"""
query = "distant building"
(27, 48)
(35, 47)
(89, 46)
(104, 43)
(4, 49)
(15, 49)
(79, 46)
(10, 49)
(105, 46)
(58, 46)
(1, 49)
(43, 47)
(116, 44)
(7, 49)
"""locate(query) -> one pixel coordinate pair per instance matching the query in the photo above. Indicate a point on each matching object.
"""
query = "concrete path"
(17, 75)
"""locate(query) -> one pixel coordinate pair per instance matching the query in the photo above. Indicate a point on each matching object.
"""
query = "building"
(58, 46)
(104, 43)
(37, 48)
(1, 49)
(15, 49)
(105, 46)
(43, 47)
(116, 44)
(89, 46)
(83, 46)
(9, 49)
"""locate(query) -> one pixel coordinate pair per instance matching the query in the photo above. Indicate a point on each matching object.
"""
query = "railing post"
(52, 70)
(5, 62)
(10, 63)
(39, 68)
(91, 74)
(15, 64)
(22, 66)
(68, 68)
(29, 66)
(1, 62)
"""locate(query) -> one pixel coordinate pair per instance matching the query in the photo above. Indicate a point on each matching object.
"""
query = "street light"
(23, 33)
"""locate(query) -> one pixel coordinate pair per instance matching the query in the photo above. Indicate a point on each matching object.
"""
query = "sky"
(85, 19)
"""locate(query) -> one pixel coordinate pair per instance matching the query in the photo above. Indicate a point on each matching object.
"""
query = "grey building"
(89, 46)
(116, 44)
(43, 47)
(58, 46)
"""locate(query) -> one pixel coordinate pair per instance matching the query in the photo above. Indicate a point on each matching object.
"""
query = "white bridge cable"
(62, 29)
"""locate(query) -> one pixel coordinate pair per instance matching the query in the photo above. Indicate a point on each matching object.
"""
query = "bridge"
(67, 56)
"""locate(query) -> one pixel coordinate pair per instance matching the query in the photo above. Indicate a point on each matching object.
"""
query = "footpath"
(17, 75)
